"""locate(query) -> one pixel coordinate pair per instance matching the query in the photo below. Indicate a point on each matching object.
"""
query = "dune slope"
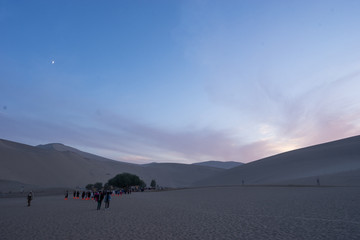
(57, 165)
(335, 163)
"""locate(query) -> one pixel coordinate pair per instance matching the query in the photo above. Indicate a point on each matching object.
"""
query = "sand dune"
(56, 165)
(335, 163)
(52, 168)
(183, 175)
(218, 164)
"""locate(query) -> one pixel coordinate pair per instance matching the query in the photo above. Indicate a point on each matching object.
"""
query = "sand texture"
(207, 213)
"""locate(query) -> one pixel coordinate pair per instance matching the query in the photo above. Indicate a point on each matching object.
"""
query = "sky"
(180, 81)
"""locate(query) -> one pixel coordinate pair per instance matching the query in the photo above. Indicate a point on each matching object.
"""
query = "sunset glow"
(180, 81)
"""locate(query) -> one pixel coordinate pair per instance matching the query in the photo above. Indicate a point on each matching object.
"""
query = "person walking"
(96, 196)
(30, 197)
(107, 199)
(100, 199)
(66, 195)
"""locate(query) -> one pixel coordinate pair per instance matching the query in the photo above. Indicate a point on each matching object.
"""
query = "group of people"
(101, 196)
(97, 196)
(84, 195)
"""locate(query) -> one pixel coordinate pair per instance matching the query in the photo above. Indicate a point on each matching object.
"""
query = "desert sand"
(335, 163)
(257, 210)
(204, 213)
(57, 165)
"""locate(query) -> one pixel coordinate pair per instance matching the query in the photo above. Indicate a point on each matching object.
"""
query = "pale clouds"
(127, 140)
(242, 81)
(326, 112)
(288, 83)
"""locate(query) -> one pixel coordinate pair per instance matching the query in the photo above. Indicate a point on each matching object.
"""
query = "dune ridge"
(56, 165)
(333, 163)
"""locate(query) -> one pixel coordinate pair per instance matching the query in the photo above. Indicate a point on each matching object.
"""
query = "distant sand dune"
(334, 163)
(56, 165)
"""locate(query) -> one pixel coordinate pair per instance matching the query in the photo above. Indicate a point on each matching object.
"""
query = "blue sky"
(180, 81)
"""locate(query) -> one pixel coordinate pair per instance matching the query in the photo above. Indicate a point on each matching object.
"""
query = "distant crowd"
(98, 196)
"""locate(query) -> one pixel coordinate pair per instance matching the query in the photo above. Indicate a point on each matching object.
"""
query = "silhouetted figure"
(77, 194)
(318, 181)
(66, 195)
(96, 196)
(74, 194)
(107, 200)
(100, 199)
(30, 197)
(83, 195)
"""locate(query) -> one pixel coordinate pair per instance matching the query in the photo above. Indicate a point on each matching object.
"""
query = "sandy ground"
(207, 213)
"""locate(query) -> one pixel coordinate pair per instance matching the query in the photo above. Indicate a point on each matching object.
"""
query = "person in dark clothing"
(96, 196)
(77, 194)
(107, 200)
(66, 195)
(74, 194)
(100, 199)
(30, 197)
(83, 195)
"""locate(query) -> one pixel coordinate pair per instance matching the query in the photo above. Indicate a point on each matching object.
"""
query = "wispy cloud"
(191, 144)
(323, 113)
(218, 81)
(124, 139)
